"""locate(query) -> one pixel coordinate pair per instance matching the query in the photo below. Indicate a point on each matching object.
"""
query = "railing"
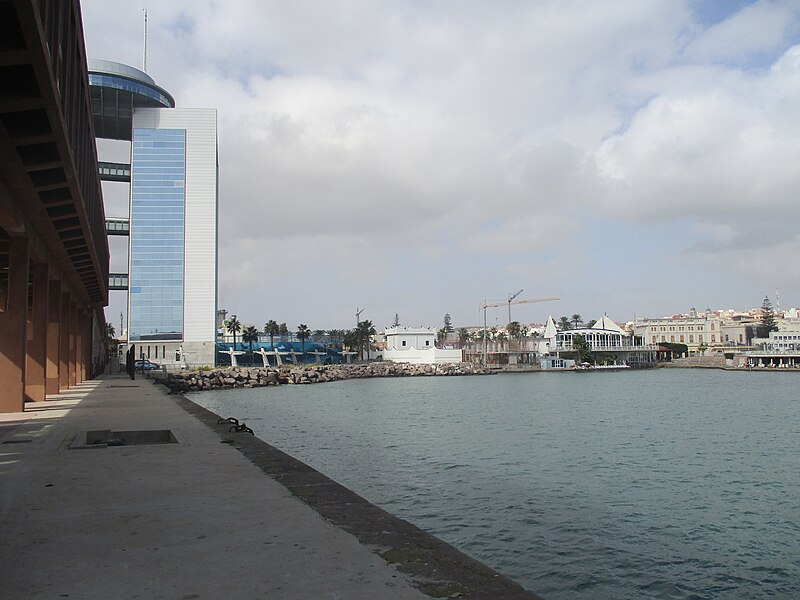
(607, 348)
(772, 352)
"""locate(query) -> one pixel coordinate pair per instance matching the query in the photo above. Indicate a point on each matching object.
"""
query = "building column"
(63, 354)
(86, 346)
(53, 337)
(37, 336)
(73, 343)
(79, 342)
(13, 320)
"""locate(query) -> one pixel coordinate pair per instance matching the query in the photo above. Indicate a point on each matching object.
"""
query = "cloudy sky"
(632, 157)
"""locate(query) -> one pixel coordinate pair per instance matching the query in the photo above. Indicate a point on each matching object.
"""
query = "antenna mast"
(145, 41)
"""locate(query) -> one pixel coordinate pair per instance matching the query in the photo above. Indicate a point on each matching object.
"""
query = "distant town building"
(417, 345)
(693, 330)
(604, 337)
(785, 339)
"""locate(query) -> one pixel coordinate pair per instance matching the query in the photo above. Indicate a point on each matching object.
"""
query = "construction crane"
(511, 300)
(358, 314)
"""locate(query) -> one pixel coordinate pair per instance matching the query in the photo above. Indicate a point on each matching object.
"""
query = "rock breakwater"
(243, 377)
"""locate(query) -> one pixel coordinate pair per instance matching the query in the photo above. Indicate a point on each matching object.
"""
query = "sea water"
(665, 483)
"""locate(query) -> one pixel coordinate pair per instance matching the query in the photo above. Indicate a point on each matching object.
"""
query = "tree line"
(342, 339)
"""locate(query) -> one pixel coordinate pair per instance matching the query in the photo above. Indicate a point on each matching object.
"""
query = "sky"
(631, 157)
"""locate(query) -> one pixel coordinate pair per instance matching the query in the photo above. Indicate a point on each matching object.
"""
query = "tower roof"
(607, 324)
(116, 90)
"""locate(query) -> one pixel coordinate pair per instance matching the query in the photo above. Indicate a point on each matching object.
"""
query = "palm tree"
(109, 331)
(576, 320)
(303, 332)
(233, 326)
(564, 323)
(463, 336)
(514, 329)
(319, 335)
(335, 336)
(501, 337)
(363, 332)
(271, 328)
(250, 335)
(283, 330)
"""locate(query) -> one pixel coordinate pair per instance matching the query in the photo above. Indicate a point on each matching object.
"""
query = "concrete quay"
(218, 514)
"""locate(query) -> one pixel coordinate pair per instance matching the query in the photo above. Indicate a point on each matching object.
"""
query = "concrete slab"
(196, 519)
(189, 520)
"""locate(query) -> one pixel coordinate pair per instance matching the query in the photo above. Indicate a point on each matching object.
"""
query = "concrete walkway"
(187, 520)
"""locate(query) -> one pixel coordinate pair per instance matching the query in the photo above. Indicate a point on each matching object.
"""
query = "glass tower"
(158, 183)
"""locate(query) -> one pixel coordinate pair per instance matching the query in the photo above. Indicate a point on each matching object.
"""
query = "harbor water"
(667, 483)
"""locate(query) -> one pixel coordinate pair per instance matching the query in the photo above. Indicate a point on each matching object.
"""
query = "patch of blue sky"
(246, 73)
(711, 12)
(183, 24)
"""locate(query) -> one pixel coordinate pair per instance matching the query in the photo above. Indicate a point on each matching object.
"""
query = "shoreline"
(254, 377)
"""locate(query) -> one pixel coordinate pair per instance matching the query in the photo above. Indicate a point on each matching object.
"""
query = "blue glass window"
(158, 182)
(122, 83)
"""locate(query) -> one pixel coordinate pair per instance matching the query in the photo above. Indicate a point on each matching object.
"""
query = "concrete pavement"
(211, 516)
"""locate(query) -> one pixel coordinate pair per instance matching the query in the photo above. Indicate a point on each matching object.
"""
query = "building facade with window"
(694, 330)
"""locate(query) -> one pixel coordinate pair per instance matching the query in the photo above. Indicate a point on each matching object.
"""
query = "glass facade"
(157, 234)
(103, 80)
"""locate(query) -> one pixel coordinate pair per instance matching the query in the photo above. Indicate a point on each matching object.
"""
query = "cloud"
(718, 150)
(419, 158)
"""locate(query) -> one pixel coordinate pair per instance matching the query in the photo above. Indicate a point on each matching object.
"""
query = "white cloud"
(723, 151)
(372, 148)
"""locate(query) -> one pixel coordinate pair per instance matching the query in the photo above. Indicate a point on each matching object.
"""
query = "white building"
(693, 330)
(786, 339)
(605, 339)
(417, 345)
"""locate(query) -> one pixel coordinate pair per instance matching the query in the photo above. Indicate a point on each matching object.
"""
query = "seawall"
(243, 377)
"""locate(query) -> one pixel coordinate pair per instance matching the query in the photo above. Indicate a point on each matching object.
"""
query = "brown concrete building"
(53, 245)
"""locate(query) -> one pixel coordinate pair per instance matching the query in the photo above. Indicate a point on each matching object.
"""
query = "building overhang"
(49, 182)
